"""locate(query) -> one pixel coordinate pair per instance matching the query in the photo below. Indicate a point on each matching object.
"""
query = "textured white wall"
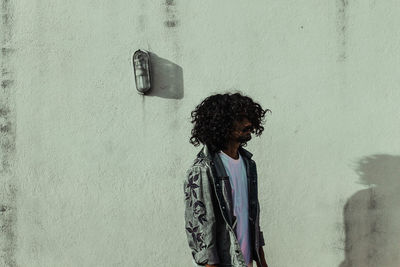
(99, 168)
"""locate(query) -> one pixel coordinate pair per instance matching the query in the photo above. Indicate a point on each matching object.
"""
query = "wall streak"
(7, 141)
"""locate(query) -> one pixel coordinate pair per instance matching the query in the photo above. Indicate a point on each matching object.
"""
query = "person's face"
(242, 131)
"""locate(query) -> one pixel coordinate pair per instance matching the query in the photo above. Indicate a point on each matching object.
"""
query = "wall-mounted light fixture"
(142, 70)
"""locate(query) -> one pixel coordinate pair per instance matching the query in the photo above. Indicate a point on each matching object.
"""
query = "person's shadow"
(372, 216)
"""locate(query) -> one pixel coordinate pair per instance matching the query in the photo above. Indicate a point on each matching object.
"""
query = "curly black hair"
(214, 119)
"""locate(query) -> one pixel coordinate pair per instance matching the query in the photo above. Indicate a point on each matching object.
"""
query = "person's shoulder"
(201, 160)
(200, 163)
(199, 168)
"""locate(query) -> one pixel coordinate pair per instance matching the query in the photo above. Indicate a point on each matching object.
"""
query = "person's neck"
(232, 150)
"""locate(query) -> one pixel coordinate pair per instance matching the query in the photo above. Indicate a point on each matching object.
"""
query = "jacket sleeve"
(199, 216)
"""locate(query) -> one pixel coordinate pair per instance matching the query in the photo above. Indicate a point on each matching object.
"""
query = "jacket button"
(223, 207)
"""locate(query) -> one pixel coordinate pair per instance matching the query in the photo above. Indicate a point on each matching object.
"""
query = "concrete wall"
(93, 171)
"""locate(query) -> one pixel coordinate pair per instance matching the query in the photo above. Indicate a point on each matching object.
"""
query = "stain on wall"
(171, 23)
(171, 14)
(141, 18)
(342, 27)
(7, 141)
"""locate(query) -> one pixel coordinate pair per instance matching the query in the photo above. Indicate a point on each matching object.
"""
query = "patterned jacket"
(209, 220)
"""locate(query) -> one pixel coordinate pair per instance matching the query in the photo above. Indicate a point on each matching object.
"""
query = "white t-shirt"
(236, 171)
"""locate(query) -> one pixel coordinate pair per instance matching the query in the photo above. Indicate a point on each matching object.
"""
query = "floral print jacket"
(209, 220)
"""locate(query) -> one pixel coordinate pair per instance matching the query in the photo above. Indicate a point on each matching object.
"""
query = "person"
(221, 199)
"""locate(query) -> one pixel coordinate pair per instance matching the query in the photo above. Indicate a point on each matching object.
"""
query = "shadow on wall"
(167, 78)
(372, 216)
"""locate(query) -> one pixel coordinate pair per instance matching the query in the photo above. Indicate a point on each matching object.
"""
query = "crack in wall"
(7, 141)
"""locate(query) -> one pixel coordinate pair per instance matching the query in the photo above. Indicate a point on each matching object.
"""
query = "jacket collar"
(206, 153)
